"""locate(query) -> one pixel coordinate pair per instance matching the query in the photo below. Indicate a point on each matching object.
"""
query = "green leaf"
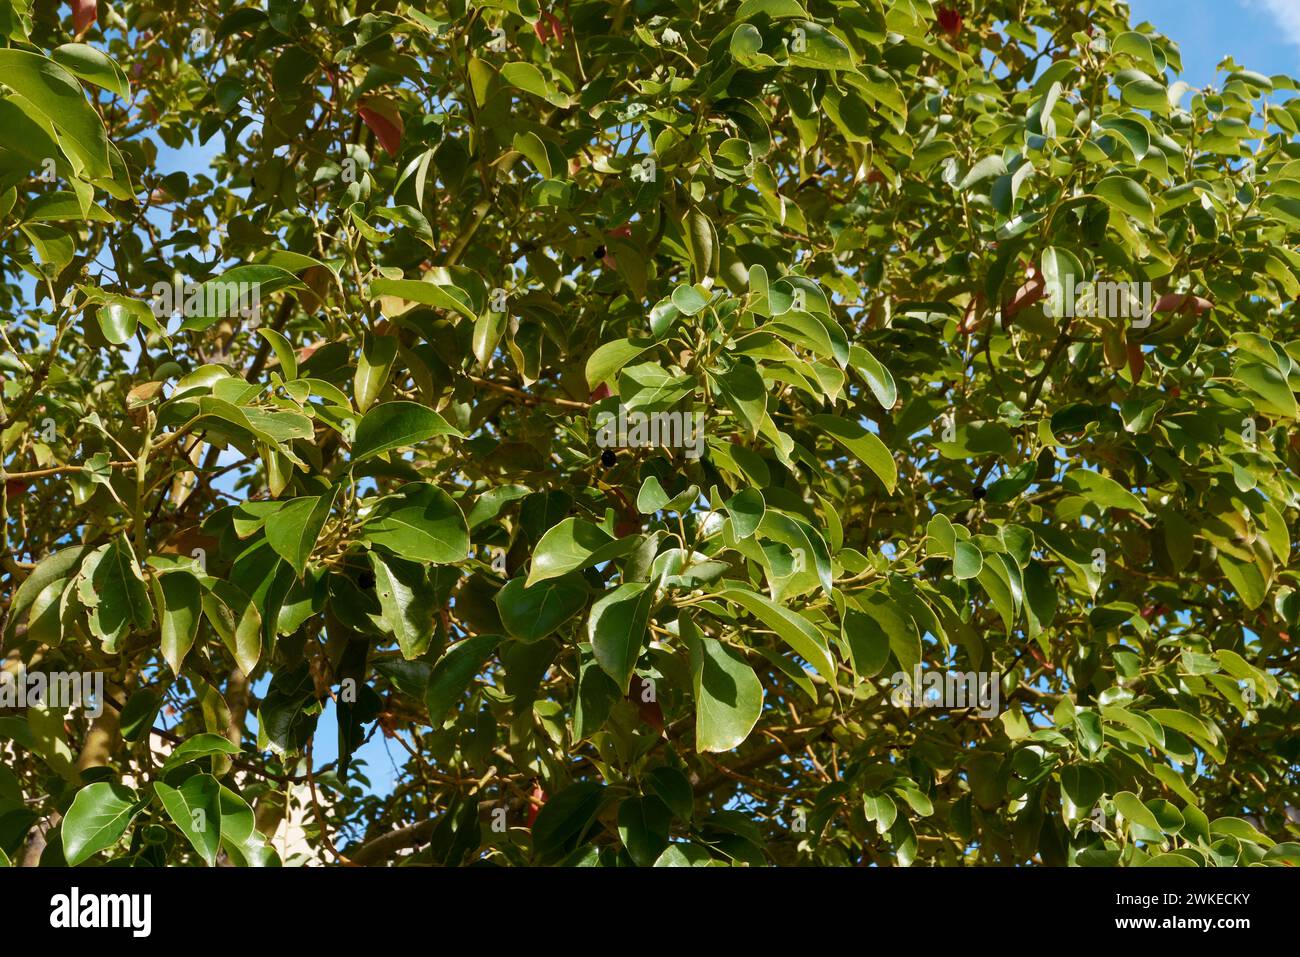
(746, 508)
(728, 695)
(652, 496)
(97, 819)
(1241, 830)
(1127, 196)
(195, 808)
(879, 379)
(617, 629)
(1061, 270)
(293, 530)
(408, 602)
(526, 77)
(396, 425)
(487, 335)
(112, 588)
(940, 538)
(904, 642)
(701, 243)
(534, 150)
(772, 9)
(743, 390)
(643, 828)
(867, 447)
(689, 299)
(868, 643)
(235, 290)
(92, 66)
(821, 49)
(604, 363)
(797, 631)
(1268, 383)
(236, 620)
(61, 564)
(373, 368)
(1245, 579)
(685, 855)
(1130, 805)
(139, 712)
(530, 613)
(985, 169)
(283, 352)
(199, 746)
(1137, 46)
(453, 673)
(566, 819)
(426, 293)
(420, 522)
(58, 96)
(116, 322)
(1082, 785)
(967, 561)
(1040, 597)
(1102, 490)
(573, 545)
(673, 787)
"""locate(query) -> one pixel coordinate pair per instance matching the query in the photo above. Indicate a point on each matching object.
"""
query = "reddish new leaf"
(84, 13)
(385, 122)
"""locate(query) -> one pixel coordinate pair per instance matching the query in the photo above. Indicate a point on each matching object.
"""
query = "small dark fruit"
(608, 458)
(978, 492)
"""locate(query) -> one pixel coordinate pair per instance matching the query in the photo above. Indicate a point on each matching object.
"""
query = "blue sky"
(1262, 35)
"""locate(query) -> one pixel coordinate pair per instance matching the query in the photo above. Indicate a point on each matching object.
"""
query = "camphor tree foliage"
(846, 238)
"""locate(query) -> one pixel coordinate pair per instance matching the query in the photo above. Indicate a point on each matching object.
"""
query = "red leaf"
(1181, 302)
(557, 28)
(949, 21)
(646, 704)
(1026, 295)
(969, 321)
(536, 800)
(1137, 361)
(542, 29)
(84, 13)
(14, 488)
(386, 123)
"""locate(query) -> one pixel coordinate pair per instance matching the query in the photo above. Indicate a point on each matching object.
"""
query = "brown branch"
(527, 397)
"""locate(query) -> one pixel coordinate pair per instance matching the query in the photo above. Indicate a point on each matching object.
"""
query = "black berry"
(599, 253)
(978, 492)
(608, 458)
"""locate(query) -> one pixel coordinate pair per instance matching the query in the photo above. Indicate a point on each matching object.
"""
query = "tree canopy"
(687, 432)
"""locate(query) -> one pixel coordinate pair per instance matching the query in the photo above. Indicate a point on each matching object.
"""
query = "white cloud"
(1286, 13)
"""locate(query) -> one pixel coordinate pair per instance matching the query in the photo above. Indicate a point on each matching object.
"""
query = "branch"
(380, 849)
